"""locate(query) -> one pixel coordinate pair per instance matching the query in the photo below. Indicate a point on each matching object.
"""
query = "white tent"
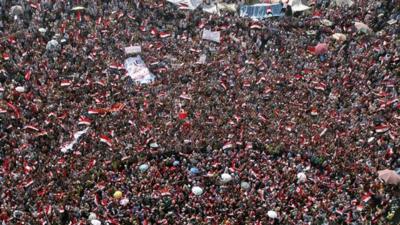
(186, 4)
(297, 6)
(342, 2)
(218, 7)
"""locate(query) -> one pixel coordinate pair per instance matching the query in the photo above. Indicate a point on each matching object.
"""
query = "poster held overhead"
(211, 35)
(138, 71)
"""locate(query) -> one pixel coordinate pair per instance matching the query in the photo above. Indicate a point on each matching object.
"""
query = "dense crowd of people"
(263, 107)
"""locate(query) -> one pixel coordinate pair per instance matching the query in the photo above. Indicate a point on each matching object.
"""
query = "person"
(261, 107)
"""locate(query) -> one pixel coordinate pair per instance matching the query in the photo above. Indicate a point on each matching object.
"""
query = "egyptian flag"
(117, 107)
(84, 121)
(6, 56)
(381, 128)
(31, 128)
(165, 34)
(65, 83)
(95, 111)
(183, 6)
(185, 96)
(11, 40)
(15, 109)
(256, 26)
(106, 140)
(227, 146)
(314, 112)
(90, 164)
(320, 86)
(28, 74)
(78, 16)
(154, 31)
(201, 24)
(366, 197)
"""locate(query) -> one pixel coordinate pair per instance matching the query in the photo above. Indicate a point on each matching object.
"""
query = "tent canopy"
(342, 3)
(189, 4)
(298, 6)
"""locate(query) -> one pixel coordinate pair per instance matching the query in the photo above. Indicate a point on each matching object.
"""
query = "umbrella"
(194, 170)
(92, 216)
(197, 190)
(154, 145)
(117, 194)
(143, 167)
(95, 222)
(301, 177)
(226, 177)
(52, 45)
(76, 8)
(342, 2)
(245, 185)
(326, 22)
(321, 48)
(272, 214)
(20, 89)
(389, 176)
(16, 10)
(42, 30)
(339, 37)
(124, 201)
(362, 27)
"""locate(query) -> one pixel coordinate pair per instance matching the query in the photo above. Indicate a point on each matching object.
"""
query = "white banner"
(211, 35)
(138, 71)
(189, 4)
(69, 146)
(133, 49)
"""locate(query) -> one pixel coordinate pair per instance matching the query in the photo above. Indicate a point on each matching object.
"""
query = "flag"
(183, 6)
(28, 75)
(255, 26)
(6, 56)
(153, 31)
(84, 121)
(185, 96)
(323, 132)
(96, 111)
(65, 83)
(117, 107)
(106, 140)
(227, 146)
(314, 112)
(366, 197)
(48, 209)
(165, 192)
(11, 40)
(68, 146)
(31, 128)
(15, 109)
(381, 128)
(78, 16)
(91, 164)
(165, 34)
(201, 24)
(320, 86)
